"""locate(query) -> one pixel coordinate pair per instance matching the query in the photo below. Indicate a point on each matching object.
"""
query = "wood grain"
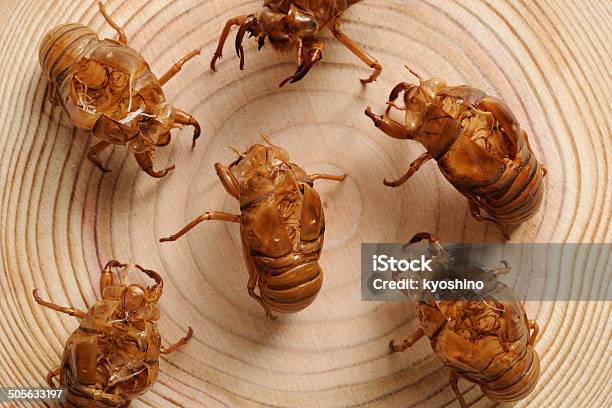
(61, 220)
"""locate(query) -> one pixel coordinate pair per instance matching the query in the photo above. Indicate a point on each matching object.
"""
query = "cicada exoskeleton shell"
(296, 25)
(484, 337)
(107, 88)
(282, 226)
(112, 358)
(478, 144)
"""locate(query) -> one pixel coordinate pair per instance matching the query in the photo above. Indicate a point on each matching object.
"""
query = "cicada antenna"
(124, 272)
(266, 139)
(235, 150)
(413, 72)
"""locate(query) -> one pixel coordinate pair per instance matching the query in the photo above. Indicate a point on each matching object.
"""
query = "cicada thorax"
(284, 19)
(485, 342)
(108, 362)
(282, 230)
(105, 87)
(324, 10)
(482, 150)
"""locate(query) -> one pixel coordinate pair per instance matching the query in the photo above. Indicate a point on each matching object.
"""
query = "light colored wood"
(61, 219)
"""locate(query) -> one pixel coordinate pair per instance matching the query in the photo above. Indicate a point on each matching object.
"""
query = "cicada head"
(262, 170)
(418, 99)
(136, 302)
(431, 87)
(258, 159)
(133, 298)
(284, 26)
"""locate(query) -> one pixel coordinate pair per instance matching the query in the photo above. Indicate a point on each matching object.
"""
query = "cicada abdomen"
(282, 237)
(516, 194)
(282, 226)
(63, 47)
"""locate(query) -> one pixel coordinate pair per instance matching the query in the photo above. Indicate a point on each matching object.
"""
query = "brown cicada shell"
(108, 89)
(296, 24)
(113, 357)
(479, 145)
(486, 341)
(281, 226)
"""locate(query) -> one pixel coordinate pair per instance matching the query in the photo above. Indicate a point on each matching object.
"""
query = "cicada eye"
(413, 119)
(412, 92)
(133, 298)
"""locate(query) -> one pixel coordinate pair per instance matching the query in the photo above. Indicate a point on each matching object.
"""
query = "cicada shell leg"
(176, 346)
(93, 152)
(475, 212)
(454, 380)
(389, 126)
(408, 342)
(414, 167)
(145, 161)
(68, 310)
(51, 375)
(228, 180)
(299, 51)
(358, 51)
(184, 118)
(122, 37)
(153, 292)
(253, 280)
(395, 93)
(321, 176)
(208, 216)
(107, 278)
(176, 68)
(311, 54)
(241, 21)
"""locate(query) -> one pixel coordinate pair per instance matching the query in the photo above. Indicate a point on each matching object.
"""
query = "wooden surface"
(61, 219)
